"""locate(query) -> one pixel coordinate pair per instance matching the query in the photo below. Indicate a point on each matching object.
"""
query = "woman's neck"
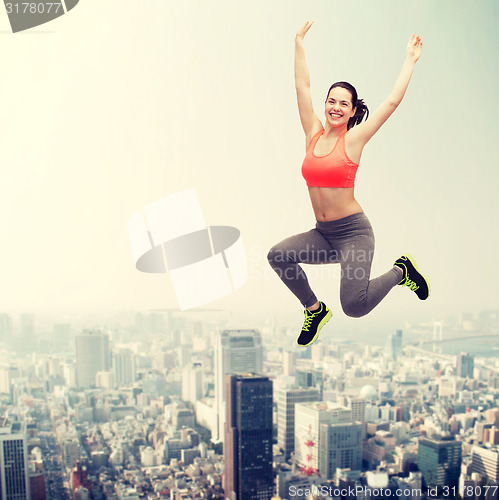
(334, 131)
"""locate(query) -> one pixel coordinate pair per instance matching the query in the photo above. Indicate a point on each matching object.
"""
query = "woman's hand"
(300, 35)
(414, 48)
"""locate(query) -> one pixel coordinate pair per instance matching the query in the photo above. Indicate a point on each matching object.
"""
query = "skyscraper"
(92, 356)
(236, 351)
(124, 367)
(248, 438)
(192, 383)
(308, 419)
(14, 476)
(465, 365)
(340, 447)
(439, 459)
(288, 363)
(394, 344)
(286, 400)
(358, 407)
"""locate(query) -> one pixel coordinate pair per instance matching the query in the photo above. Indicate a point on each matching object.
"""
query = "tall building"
(236, 351)
(358, 407)
(340, 447)
(14, 473)
(394, 344)
(308, 419)
(465, 365)
(7, 374)
(192, 383)
(439, 459)
(248, 438)
(286, 400)
(92, 356)
(183, 356)
(124, 367)
(288, 363)
(485, 461)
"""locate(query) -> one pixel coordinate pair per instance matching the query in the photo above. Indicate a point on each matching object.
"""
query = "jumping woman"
(342, 232)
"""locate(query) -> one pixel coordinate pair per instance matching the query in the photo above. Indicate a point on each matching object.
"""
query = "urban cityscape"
(181, 405)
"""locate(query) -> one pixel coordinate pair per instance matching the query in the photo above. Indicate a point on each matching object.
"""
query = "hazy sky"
(122, 102)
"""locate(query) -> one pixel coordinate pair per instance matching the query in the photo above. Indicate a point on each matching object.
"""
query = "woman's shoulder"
(314, 134)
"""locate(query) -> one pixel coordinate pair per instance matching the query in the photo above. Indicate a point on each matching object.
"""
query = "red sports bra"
(332, 170)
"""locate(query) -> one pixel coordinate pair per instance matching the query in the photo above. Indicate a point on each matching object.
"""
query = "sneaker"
(314, 321)
(413, 277)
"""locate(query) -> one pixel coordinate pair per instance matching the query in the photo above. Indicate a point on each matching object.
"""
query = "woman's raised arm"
(364, 131)
(310, 123)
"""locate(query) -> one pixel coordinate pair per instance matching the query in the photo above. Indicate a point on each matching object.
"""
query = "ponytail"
(359, 115)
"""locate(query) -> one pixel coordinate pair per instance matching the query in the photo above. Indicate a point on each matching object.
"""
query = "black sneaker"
(413, 277)
(314, 321)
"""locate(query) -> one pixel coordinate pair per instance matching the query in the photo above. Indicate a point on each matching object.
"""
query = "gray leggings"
(349, 242)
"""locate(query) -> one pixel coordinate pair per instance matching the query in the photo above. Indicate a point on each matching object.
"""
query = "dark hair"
(361, 110)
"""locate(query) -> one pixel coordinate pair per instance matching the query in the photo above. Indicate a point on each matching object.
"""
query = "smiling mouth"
(335, 115)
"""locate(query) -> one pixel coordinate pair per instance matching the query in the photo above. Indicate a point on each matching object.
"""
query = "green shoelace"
(309, 316)
(411, 284)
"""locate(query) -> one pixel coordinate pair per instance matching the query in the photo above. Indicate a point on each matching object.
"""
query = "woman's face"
(339, 107)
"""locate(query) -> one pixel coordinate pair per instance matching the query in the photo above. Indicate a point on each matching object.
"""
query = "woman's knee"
(353, 308)
(278, 255)
(273, 255)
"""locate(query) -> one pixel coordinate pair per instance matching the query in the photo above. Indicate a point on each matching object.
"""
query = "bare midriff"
(333, 203)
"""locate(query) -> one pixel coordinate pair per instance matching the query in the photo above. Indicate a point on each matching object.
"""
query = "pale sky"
(120, 103)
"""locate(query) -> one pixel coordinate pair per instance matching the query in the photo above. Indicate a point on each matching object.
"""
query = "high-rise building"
(439, 459)
(340, 447)
(36, 480)
(192, 383)
(248, 438)
(288, 363)
(236, 351)
(71, 452)
(308, 419)
(92, 356)
(124, 367)
(286, 400)
(465, 365)
(14, 473)
(485, 462)
(183, 356)
(358, 407)
(69, 373)
(394, 344)
(7, 374)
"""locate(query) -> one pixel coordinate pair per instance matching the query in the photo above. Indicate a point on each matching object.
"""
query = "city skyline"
(397, 417)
